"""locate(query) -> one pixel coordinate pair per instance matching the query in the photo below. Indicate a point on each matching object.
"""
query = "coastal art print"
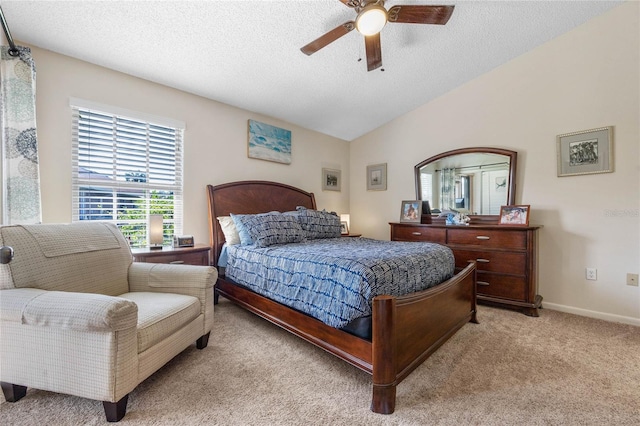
(514, 215)
(585, 152)
(269, 143)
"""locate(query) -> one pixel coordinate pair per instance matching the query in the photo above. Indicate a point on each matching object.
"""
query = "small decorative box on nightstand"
(197, 255)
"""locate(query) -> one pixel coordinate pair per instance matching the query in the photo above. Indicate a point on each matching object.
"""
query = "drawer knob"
(483, 283)
(416, 233)
(483, 237)
(176, 262)
(482, 260)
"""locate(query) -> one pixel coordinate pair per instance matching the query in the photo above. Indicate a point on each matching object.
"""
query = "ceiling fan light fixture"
(371, 20)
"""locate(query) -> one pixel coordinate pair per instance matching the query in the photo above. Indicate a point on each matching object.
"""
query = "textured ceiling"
(247, 53)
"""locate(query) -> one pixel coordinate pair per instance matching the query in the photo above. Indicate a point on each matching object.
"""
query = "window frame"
(161, 143)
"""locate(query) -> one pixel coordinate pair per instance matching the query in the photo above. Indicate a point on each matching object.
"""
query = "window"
(426, 184)
(125, 167)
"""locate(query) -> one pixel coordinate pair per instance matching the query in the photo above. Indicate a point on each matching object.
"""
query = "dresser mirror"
(474, 181)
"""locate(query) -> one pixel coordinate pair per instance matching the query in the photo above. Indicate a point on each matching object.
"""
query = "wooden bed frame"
(405, 330)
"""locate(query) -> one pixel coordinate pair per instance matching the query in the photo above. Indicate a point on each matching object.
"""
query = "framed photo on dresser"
(514, 215)
(411, 211)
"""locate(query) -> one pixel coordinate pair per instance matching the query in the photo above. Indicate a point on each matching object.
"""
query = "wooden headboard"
(250, 197)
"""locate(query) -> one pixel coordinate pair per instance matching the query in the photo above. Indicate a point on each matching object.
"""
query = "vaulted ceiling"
(247, 53)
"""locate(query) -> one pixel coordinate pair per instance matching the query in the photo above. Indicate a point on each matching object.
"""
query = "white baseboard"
(592, 314)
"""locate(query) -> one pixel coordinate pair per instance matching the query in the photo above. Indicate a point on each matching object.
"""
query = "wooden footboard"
(406, 330)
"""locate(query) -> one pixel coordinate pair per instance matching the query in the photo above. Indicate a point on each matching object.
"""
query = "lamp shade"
(156, 231)
(371, 20)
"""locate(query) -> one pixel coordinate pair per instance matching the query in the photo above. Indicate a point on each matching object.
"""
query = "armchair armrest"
(167, 278)
(68, 310)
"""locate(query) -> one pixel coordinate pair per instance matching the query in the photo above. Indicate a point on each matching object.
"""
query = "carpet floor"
(557, 369)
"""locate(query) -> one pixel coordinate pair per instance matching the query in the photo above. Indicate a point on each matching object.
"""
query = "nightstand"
(197, 255)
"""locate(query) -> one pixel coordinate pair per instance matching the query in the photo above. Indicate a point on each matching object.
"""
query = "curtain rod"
(13, 51)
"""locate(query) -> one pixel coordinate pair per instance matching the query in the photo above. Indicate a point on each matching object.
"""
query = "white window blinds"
(125, 168)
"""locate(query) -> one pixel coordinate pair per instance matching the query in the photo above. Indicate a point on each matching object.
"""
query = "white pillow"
(229, 230)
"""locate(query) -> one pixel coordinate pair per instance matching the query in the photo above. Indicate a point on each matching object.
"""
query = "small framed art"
(514, 215)
(331, 180)
(344, 228)
(377, 177)
(585, 152)
(411, 211)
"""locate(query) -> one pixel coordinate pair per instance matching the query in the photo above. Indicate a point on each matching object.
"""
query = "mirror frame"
(513, 157)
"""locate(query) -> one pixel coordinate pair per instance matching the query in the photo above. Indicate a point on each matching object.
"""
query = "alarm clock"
(183, 241)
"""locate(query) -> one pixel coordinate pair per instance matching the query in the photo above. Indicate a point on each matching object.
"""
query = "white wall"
(215, 139)
(585, 79)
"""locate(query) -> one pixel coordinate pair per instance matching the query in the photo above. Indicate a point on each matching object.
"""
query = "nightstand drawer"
(493, 261)
(488, 238)
(503, 286)
(417, 233)
(198, 255)
(200, 258)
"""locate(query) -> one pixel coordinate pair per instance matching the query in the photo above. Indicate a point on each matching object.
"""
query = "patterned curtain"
(448, 182)
(20, 171)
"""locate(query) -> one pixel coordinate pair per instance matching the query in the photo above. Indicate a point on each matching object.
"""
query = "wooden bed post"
(384, 355)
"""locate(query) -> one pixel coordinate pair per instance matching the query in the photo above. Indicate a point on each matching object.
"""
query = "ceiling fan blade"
(438, 15)
(327, 38)
(350, 3)
(374, 51)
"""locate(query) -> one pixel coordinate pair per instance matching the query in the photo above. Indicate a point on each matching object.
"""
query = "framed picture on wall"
(331, 180)
(267, 142)
(585, 152)
(411, 211)
(377, 177)
(514, 215)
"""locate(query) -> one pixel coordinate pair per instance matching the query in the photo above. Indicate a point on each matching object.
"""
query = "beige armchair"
(77, 316)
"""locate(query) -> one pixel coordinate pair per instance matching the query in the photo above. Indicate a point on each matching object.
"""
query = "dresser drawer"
(488, 238)
(418, 233)
(493, 261)
(503, 286)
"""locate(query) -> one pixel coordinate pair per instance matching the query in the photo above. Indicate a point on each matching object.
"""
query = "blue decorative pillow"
(267, 229)
(319, 224)
(238, 220)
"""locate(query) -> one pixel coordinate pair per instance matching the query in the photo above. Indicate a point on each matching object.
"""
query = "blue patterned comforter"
(335, 279)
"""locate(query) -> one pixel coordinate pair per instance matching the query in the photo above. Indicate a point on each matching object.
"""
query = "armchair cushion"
(161, 314)
(85, 267)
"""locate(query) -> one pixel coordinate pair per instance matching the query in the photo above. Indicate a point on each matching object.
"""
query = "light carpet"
(557, 369)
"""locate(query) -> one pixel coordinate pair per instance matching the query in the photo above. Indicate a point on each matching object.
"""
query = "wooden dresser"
(506, 258)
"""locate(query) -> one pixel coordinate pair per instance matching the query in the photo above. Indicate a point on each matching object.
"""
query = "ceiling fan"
(372, 17)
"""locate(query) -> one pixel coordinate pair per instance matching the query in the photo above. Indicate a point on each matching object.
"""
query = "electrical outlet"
(632, 279)
(592, 274)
